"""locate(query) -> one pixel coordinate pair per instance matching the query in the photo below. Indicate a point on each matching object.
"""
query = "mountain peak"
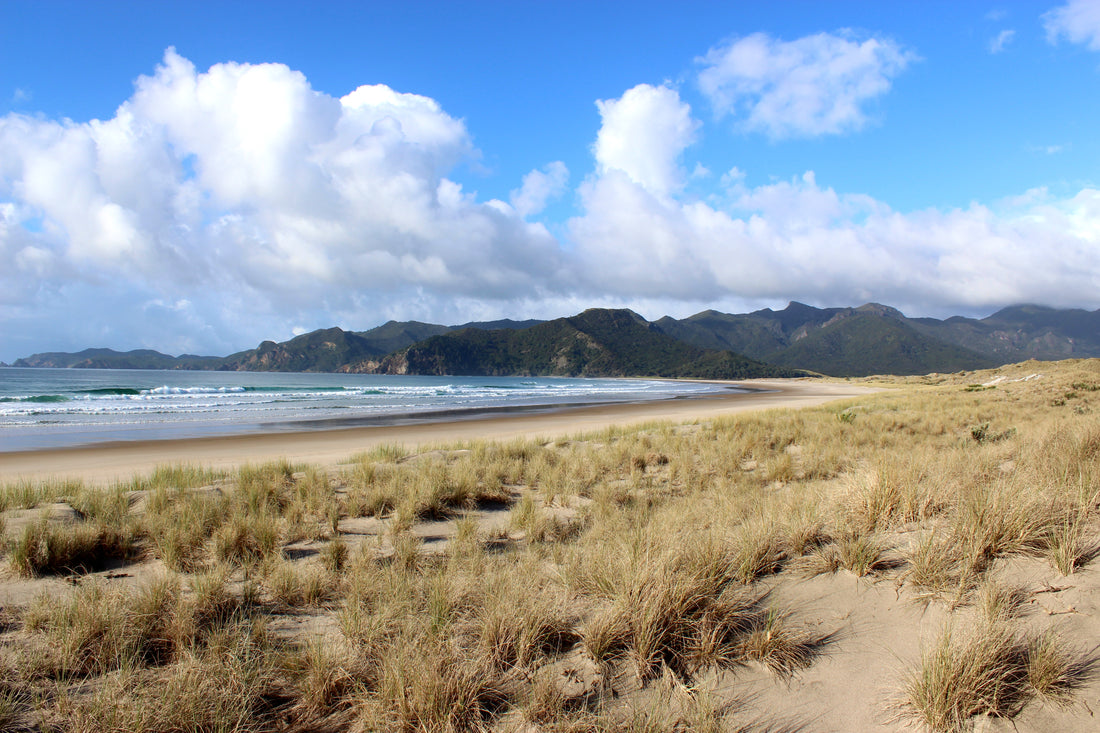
(1019, 311)
(880, 310)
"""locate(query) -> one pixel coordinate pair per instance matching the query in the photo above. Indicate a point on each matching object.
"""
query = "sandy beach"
(109, 462)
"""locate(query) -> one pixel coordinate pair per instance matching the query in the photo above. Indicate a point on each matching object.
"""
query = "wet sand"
(106, 463)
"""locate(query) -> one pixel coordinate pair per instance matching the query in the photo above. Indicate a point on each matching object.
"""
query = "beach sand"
(106, 463)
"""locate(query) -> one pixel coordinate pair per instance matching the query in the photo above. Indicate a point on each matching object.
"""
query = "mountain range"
(869, 339)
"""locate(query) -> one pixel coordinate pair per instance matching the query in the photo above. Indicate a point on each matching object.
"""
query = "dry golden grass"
(44, 548)
(468, 587)
(993, 670)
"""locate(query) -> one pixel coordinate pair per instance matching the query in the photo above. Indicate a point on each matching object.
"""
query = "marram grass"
(457, 589)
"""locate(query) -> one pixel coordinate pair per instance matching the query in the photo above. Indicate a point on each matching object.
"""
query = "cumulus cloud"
(539, 188)
(1001, 41)
(1078, 21)
(242, 185)
(815, 85)
(642, 136)
(799, 239)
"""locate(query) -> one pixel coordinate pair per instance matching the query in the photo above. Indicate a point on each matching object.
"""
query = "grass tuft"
(992, 671)
(48, 549)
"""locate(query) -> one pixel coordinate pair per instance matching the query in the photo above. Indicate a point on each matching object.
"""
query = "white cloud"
(245, 190)
(815, 85)
(642, 136)
(798, 239)
(539, 188)
(1001, 41)
(1078, 21)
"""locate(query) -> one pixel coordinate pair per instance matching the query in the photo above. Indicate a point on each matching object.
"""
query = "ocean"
(55, 408)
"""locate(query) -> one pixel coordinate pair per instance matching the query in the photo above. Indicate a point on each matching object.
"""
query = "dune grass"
(640, 555)
(991, 670)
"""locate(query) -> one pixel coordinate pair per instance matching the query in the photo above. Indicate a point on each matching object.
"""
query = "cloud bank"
(221, 207)
(799, 239)
(245, 190)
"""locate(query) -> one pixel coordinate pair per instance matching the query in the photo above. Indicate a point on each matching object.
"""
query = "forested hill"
(598, 342)
(111, 359)
(878, 339)
(869, 339)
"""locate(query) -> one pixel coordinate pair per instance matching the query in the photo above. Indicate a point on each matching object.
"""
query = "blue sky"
(196, 177)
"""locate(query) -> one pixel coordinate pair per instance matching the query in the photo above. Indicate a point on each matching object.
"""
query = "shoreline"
(107, 463)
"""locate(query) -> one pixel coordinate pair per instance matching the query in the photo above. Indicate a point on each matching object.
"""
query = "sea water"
(49, 408)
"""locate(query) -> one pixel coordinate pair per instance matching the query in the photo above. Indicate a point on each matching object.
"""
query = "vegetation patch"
(994, 670)
(637, 578)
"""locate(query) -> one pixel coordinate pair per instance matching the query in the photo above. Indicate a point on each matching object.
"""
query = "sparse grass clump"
(683, 611)
(178, 527)
(892, 493)
(1067, 545)
(232, 685)
(26, 494)
(938, 568)
(774, 641)
(993, 670)
(758, 550)
(861, 554)
(293, 586)
(246, 539)
(98, 630)
(999, 602)
(427, 687)
(517, 628)
(45, 548)
(176, 477)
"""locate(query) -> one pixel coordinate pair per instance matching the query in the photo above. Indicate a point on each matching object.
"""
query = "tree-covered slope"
(865, 342)
(758, 335)
(318, 351)
(395, 335)
(597, 342)
(333, 349)
(1023, 332)
(111, 359)
(869, 339)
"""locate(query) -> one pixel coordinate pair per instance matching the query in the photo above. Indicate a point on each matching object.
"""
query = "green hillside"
(111, 359)
(870, 339)
(864, 343)
(395, 335)
(319, 351)
(605, 343)
(724, 331)
(1023, 332)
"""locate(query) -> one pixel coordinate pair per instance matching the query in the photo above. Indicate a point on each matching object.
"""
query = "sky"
(195, 177)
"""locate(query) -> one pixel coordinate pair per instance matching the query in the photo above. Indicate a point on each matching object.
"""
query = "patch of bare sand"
(880, 630)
